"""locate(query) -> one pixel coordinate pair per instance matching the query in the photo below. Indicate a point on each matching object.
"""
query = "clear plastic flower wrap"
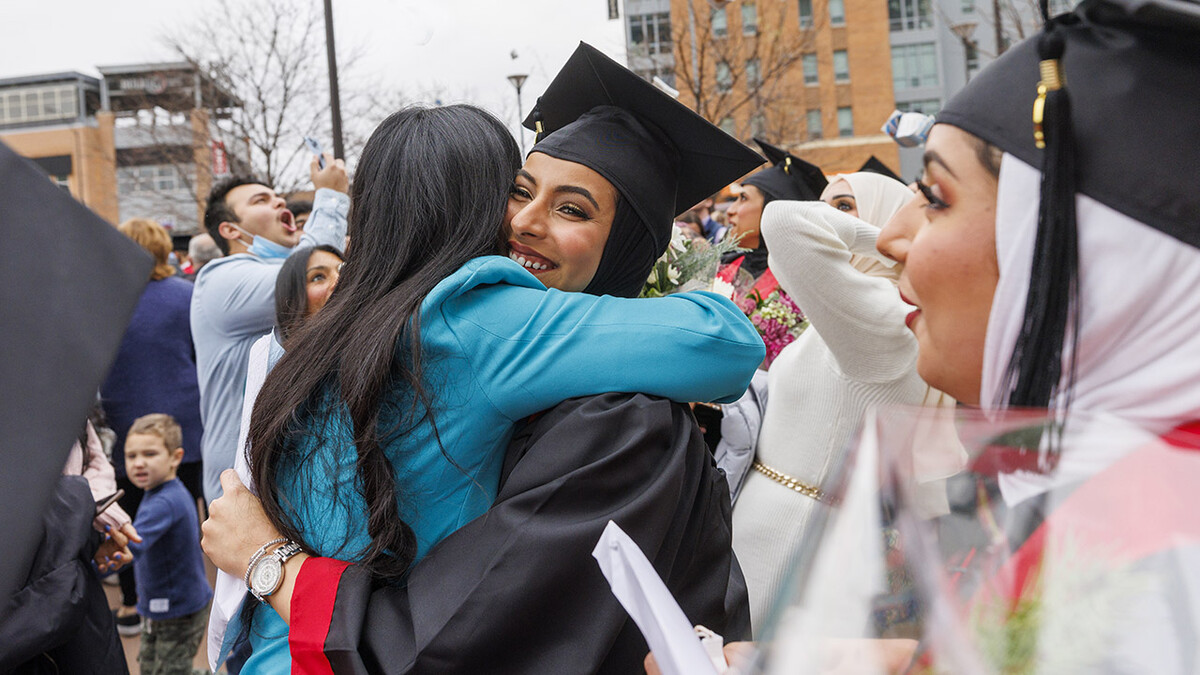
(968, 543)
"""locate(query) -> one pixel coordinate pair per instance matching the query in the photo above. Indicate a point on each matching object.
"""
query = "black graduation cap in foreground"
(1103, 102)
(659, 154)
(67, 290)
(790, 178)
(875, 165)
(1132, 73)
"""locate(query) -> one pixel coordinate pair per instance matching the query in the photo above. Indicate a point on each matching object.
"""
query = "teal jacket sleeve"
(532, 348)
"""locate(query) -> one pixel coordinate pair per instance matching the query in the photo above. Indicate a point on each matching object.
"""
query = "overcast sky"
(460, 48)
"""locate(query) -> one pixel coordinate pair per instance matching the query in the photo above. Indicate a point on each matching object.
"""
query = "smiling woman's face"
(559, 217)
(949, 256)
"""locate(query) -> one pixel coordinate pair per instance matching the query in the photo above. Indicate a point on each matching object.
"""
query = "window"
(837, 13)
(149, 178)
(914, 66)
(758, 125)
(814, 124)
(806, 14)
(749, 17)
(909, 14)
(727, 125)
(651, 32)
(753, 74)
(926, 107)
(720, 23)
(972, 57)
(637, 30)
(724, 77)
(665, 40)
(810, 69)
(166, 178)
(968, 6)
(39, 104)
(845, 122)
(841, 66)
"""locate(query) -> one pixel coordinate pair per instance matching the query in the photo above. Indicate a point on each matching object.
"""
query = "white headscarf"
(1139, 334)
(877, 198)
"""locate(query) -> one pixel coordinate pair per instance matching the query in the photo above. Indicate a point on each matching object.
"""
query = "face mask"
(265, 248)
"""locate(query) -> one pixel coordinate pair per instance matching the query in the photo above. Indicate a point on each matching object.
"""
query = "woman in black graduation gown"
(517, 590)
(789, 178)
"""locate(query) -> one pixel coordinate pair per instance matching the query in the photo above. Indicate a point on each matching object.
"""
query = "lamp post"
(335, 104)
(517, 81)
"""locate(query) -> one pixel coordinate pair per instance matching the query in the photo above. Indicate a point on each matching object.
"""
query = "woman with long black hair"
(382, 429)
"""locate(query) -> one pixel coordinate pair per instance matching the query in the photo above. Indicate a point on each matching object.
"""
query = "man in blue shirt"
(233, 303)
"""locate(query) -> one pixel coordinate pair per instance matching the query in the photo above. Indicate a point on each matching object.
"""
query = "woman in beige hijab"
(857, 354)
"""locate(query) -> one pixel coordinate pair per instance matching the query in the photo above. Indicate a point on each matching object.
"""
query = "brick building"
(139, 141)
(811, 75)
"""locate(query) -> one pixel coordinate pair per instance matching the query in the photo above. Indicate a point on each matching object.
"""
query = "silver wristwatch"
(266, 574)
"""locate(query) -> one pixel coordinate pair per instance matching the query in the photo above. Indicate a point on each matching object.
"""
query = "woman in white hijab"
(857, 353)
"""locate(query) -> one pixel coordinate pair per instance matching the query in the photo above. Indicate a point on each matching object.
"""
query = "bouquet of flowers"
(778, 320)
(689, 264)
(773, 313)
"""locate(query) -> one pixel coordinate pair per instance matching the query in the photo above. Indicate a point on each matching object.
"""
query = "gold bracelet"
(789, 482)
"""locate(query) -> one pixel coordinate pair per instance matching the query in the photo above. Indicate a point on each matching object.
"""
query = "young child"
(173, 592)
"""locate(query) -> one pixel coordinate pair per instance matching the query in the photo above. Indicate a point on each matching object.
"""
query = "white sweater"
(856, 354)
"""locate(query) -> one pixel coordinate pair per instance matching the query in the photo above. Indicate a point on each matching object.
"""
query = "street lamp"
(517, 81)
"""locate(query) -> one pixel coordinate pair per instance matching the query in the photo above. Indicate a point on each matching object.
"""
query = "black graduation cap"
(875, 165)
(1103, 102)
(660, 155)
(790, 178)
(67, 290)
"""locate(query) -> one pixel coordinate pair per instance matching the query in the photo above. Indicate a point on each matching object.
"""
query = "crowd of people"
(409, 408)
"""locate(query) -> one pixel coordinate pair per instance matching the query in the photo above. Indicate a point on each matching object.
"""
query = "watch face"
(267, 575)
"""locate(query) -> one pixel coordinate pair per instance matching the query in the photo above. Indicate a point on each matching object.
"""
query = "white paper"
(847, 574)
(644, 595)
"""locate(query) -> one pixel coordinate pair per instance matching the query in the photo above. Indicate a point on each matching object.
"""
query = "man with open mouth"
(233, 303)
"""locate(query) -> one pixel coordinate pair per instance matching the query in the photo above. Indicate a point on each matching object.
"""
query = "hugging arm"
(629, 458)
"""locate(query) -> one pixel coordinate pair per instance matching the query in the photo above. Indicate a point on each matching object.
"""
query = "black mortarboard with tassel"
(1103, 101)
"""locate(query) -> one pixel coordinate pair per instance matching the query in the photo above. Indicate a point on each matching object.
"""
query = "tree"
(270, 54)
(736, 64)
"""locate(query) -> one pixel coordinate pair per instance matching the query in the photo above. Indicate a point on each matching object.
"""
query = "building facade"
(791, 71)
(139, 141)
(821, 76)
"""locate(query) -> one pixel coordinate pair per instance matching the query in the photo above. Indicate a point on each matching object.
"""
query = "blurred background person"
(856, 354)
(303, 286)
(301, 209)
(201, 249)
(788, 178)
(155, 371)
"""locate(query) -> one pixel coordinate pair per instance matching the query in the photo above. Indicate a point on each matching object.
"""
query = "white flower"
(653, 278)
(672, 274)
(678, 239)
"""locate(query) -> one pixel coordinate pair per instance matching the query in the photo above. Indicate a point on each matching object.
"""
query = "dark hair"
(291, 289)
(217, 211)
(430, 193)
(989, 156)
(298, 206)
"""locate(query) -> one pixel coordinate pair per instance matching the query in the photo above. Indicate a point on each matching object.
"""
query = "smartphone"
(108, 501)
(314, 146)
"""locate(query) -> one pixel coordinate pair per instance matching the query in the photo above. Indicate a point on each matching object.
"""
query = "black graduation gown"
(59, 621)
(517, 590)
